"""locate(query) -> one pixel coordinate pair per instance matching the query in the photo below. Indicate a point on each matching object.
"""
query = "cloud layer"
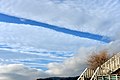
(71, 14)
(17, 20)
(66, 54)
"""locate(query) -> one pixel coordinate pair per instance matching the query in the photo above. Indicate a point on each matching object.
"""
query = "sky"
(12, 19)
(46, 38)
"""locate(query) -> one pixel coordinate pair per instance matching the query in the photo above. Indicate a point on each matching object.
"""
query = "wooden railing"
(87, 73)
(96, 73)
(111, 65)
(107, 68)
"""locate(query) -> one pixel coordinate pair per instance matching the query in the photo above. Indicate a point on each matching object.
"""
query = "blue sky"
(54, 37)
(17, 20)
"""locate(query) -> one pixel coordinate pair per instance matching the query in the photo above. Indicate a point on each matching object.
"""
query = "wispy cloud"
(37, 43)
(17, 20)
(70, 14)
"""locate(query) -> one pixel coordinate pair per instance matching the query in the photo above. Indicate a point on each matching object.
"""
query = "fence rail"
(105, 69)
(87, 73)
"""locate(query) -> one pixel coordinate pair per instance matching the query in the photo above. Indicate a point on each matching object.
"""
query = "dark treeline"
(59, 78)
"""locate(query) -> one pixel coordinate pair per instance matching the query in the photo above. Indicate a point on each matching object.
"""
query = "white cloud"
(72, 66)
(75, 65)
(19, 72)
